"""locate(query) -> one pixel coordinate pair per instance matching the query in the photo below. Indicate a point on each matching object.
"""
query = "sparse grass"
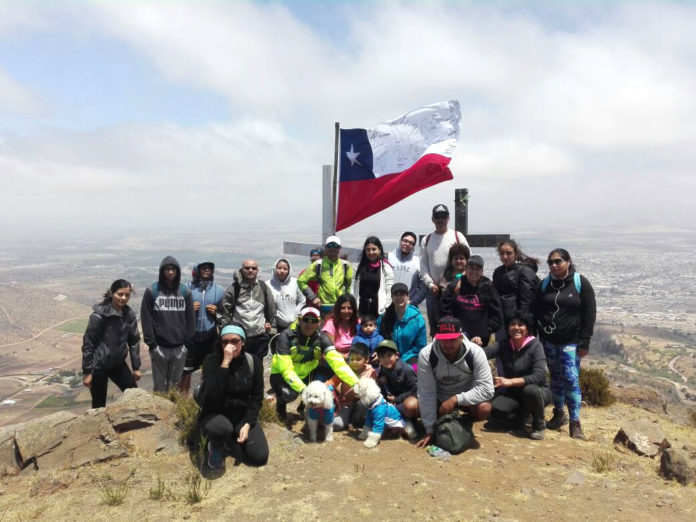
(358, 468)
(594, 386)
(268, 413)
(57, 402)
(160, 491)
(77, 326)
(198, 488)
(692, 418)
(186, 411)
(604, 462)
(114, 494)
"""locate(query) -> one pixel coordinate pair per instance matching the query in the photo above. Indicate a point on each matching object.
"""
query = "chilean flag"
(383, 165)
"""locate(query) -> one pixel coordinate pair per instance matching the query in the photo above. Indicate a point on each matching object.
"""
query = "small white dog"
(380, 414)
(319, 404)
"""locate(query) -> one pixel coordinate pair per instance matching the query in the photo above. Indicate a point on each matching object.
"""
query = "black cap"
(475, 260)
(440, 209)
(399, 287)
(448, 327)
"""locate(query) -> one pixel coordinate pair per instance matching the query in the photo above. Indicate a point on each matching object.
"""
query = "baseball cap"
(333, 241)
(310, 310)
(399, 287)
(448, 328)
(440, 209)
(386, 346)
(476, 260)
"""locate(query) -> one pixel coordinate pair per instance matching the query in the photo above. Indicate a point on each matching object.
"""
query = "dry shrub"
(186, 411)
(594, 386)
(604, 462)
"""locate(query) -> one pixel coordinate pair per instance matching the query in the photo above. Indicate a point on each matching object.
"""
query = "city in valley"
(645, 337)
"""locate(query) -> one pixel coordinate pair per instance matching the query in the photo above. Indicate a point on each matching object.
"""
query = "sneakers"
(559, 419)
(537, 434)
(576, 430)
(216, 459)
(410, 431)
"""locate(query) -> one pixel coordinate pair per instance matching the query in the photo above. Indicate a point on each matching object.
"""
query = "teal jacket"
(408, 334)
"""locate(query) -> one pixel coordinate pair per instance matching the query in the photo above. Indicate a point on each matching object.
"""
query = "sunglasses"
(236, 341)
(333, 245)
(310, 320)
(556, 261)
(250, 267)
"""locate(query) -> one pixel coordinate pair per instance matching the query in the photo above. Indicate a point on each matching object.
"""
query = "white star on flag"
(353, 156)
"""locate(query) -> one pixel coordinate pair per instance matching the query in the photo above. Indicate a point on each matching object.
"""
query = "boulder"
(679, 464)
(65, 440)
(137, 409)
(8, 458)
(642, 438)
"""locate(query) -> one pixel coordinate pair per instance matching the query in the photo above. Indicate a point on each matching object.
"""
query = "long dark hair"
(364, 261)
(336, 312)
(115, 287)
(520, 257)
(458, 249)
(386, 327)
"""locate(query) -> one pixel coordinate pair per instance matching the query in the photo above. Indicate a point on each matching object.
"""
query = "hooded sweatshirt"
(207, 293)
(289, 300)
(167, 318)
(435, 385)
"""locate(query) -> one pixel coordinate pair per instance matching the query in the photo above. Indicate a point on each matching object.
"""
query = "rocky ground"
(506, 478)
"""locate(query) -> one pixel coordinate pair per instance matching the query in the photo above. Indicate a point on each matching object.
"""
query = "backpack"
(453, 432)
(456, 238)
(183, 289)
(264, 289)
(576, 282)
(468, 359)
(318, 267)
(199, 389)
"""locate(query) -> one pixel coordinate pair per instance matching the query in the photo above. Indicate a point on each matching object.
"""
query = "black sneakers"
(559, 419)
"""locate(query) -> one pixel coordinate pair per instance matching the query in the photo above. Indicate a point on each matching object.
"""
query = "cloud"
(15, 98)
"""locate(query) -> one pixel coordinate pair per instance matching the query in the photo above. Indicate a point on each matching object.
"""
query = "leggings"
(511, 407)
(122, 377)
(220, 430)
(564, 368)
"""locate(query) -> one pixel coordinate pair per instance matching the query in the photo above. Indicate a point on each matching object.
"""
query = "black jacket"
(108, 339)
(400, 382)
(234, 392)
(516, 287)
(478, 309)
(529, 362)
(564, 317)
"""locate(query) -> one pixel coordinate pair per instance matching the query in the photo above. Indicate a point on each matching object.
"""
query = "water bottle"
(437, 452)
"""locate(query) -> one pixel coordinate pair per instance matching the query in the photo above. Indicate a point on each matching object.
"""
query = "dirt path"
(670, 365)
(36, 336)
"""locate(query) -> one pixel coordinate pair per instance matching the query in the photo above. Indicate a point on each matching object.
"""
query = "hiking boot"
(216, 459)
(576, 430)
(410, 431)
(301, 408)
(281, 410)
(559, 419)
(537, 434)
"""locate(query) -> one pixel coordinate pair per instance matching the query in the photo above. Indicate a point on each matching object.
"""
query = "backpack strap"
(183, 289)
(545, 283)
(433, 359)
(576, 281)
(250, 362)
(266, 306)
(427, 240)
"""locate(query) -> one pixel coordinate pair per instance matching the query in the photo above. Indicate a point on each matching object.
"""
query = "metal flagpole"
(335, 177)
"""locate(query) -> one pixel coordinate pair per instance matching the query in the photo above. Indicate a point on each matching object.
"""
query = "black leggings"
(122, 377)
(512, 406)
(220, 430)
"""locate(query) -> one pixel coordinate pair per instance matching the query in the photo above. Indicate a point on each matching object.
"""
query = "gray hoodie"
(289, 300)
(436, 385)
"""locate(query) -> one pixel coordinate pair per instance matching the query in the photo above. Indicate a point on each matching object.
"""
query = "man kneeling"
(453, 373)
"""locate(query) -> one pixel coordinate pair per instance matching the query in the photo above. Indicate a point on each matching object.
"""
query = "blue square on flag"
(356, 155)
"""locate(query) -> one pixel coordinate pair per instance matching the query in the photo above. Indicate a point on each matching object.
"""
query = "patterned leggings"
(564, 368)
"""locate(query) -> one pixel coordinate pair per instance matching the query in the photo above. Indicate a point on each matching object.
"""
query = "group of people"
(337, 323)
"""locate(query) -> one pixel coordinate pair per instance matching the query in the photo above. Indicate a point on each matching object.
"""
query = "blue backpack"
(576, 282)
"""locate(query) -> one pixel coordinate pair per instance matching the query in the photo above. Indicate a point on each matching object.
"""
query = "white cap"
(333, 239)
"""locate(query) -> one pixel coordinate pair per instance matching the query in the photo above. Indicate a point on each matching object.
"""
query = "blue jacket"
(206, 293)
(381, 414)
(371, 341)
(408, 334)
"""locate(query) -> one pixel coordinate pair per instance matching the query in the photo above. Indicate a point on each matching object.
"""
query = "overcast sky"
(160, 114)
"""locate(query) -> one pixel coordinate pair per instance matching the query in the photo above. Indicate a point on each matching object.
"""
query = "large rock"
(642, 438)
(137, 409)
(65, 440)
(8, 459)
(679, 464)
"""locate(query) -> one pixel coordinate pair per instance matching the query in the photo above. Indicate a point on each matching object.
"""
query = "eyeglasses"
(555, 261)
(310, 320)
(236, 341)
(408, 242)
(250, 267)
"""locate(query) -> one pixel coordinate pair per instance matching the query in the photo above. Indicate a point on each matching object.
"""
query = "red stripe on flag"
(360, 199)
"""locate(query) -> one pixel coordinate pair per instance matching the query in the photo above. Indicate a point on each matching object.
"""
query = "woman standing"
(403, 324)
(112, 332)
(474, 301)
(524, 390)
(565, 310)
(373, 279)
(288, 298)
(515, 280)
(342, 323)
(230, 399)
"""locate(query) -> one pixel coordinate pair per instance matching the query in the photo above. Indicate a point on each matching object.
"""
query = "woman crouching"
(525, 389)
(230, 399)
